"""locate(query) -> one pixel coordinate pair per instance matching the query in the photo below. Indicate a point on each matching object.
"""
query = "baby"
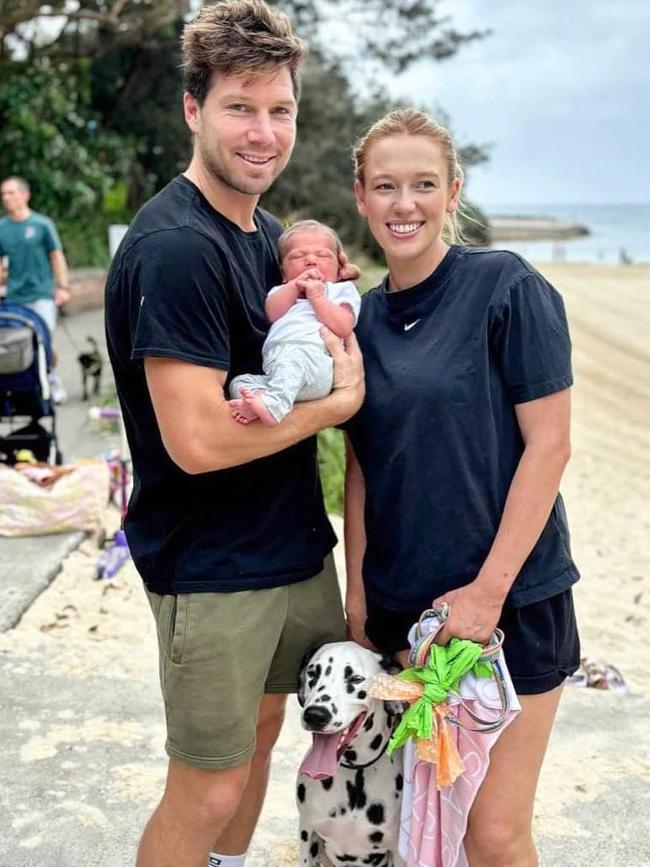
(296, 363)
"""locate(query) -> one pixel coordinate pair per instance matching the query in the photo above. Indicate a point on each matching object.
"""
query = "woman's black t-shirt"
(437, 437)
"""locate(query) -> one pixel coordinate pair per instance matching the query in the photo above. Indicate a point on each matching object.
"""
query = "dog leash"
(62, 325)
(427, 688)
(421, 652)
(355, 767)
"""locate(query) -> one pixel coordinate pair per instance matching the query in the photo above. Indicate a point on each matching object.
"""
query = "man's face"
(246, 128)
(14, 197)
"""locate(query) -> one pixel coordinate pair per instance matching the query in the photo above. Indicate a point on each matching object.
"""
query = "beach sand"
(98, 626)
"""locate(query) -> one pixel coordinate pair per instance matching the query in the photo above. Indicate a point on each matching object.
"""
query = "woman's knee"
(500, 843)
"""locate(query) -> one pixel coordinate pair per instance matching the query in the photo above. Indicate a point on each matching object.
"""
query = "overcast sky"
(562, 91)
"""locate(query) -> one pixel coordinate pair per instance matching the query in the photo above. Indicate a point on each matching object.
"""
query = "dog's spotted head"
(334, 686)
(334, 692)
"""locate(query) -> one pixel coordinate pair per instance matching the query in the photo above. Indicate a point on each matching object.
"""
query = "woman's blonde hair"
(411, 121)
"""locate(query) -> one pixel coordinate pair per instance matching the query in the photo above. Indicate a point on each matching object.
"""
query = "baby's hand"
(311, 274)
(294, 286)
(313, 289)
(298, 284)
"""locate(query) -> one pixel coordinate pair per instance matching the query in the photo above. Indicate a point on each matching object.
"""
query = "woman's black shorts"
(541, 643)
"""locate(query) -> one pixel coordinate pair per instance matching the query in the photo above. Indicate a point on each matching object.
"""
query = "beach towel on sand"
(434, 816)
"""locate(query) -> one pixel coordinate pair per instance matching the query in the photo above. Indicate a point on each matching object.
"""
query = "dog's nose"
(316, 718)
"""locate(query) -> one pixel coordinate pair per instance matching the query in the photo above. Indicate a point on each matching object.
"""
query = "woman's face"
(406, 196)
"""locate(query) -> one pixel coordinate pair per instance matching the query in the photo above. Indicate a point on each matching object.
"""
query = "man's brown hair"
(235, 37)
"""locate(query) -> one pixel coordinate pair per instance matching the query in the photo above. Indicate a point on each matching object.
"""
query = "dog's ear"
(394, 709)
(390, 665)
(302, 677)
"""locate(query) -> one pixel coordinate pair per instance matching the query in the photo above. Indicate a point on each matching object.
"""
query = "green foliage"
(128, 78)
(331, 459)
(49, 136)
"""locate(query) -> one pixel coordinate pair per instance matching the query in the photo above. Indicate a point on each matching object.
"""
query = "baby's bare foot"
(240, 411)
(254, 404)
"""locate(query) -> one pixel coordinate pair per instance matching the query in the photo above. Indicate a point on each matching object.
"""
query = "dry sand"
(98, 624)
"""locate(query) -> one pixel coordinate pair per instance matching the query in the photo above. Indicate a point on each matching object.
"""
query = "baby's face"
(310, 248)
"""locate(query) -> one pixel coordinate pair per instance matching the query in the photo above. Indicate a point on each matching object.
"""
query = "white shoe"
(59, 394)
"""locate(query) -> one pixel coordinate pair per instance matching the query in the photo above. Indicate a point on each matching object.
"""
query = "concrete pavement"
(28, 564)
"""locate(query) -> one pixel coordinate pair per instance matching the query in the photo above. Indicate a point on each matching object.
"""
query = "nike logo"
(409, 325)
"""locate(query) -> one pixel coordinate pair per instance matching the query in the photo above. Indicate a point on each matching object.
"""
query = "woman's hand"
(473, 613)
(355, 616)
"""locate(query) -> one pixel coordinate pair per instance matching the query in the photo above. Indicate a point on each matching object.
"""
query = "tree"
(50, 137)
(91, 28)
(124, 55)
(391, 34)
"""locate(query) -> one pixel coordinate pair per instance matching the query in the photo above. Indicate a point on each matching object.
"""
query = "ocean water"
(617, 232)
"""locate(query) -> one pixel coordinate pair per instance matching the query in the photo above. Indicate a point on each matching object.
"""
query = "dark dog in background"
(91, 364)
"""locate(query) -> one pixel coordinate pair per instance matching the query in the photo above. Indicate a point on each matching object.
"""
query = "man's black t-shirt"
(437, 437)
(188, 284)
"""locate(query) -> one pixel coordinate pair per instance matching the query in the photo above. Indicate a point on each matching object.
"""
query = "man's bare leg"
(236, 837)
(195, 808)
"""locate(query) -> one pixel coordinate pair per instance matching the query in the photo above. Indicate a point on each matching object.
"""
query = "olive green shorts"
(220, 652)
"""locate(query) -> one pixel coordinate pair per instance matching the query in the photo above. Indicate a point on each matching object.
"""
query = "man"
(38, 273)
(226, 523)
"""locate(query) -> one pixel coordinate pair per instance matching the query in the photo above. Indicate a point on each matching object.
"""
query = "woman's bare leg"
(499, 833)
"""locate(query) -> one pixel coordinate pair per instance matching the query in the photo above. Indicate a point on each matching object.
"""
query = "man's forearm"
(59, 269)
(196, 423)
(221, 443)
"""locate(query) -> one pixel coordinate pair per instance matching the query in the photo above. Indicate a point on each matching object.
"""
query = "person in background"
(37, 275)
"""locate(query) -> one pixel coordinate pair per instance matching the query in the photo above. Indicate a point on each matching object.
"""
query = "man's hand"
(348, 369)
(61, 296)
(473, 614)
(346, 270)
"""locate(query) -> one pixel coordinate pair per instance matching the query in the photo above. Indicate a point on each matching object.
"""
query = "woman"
(455, 459)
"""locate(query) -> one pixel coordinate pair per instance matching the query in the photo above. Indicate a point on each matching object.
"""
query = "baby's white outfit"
(296, 363)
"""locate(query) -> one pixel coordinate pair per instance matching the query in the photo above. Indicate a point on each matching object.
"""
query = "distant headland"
(524, 228)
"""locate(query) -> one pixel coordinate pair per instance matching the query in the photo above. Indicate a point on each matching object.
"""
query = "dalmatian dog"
(348, 789)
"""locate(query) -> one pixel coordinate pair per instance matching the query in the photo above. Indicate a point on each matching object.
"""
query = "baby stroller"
(25, 399)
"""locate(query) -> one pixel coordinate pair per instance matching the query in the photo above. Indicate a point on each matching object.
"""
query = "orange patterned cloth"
(440, 748)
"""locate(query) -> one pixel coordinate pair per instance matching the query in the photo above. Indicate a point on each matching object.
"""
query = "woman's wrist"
(495, 584)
